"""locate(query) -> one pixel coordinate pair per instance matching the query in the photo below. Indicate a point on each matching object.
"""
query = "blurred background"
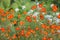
(6, 4)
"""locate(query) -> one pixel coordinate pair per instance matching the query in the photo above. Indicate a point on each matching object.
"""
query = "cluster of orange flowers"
(44, 29)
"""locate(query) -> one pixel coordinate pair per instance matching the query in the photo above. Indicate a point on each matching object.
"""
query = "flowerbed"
(37, 21)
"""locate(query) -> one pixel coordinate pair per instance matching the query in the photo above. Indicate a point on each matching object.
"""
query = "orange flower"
(33, 7)
(52, 31)
(54, 8)
(7, 12)
(24, 12)
(3, 29)
(37, 28)
(40, 5)
(17, 28)
(1, 11)
(58, 16)
(41, 16)
(14, 36)
(10, 16)
(34, 17)
(27, 33)
(53, 26)
(22, 32)
(43, 10)
(58, 27)
(3, 14)
(28, 18)
(47, 27)
(32, 31)
(21, 23)
(50, 38)
(14, 22)
(43, 26)
(44, 38)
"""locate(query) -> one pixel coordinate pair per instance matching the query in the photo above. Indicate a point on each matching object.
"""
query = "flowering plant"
(23, 20)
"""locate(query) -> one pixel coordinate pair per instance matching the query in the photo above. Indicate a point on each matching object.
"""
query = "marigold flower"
(40, 5)
(10, 16)
(58, 16)
(28, 18)
(24, 12)
(1, 11)
(14, 22)
(43, 26)
(28, 34)
(21, 23)
(17, 28)
(44, 38)
(22, 32)
(37, 28)
(53, 26)
(54, 8)
(14, 36)
(33, 7)
(43, 10)
(32, 31)
(41, 16)
(3, 29)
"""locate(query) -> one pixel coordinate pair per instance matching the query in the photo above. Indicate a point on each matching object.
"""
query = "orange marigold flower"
(53, 26)
(17, 28)
(43, 10)
(7, 12)
(1, 11)
(3, 14)
(14, 36)
(41, 16)
(3, 29)
(44, 38)
(50, 38)
(34, 17)
(21, 23)
(24, 12)
(28, 17)
(52, 31)
(43, 26)
(28, 34)
(10, 16)
(32, 31)
(29, 20)
(33, 7)
(14, 22)
(40, 5)
(22, 32)
(37, 28)
(58, 16)
(54, 8)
